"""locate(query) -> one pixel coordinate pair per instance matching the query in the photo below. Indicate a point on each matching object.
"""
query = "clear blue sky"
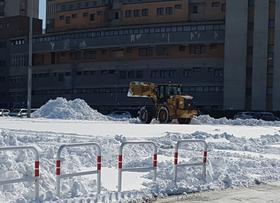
(43, 10)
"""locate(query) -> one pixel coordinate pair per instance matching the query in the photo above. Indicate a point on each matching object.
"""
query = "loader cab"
(165, 91)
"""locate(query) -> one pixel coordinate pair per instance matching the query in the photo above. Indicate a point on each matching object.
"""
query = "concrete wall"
(276, 71)
(235, 54)
(259, 74)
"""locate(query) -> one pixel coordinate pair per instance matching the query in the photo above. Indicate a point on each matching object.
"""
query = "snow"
(206, 119)
(60, 108)
(241, 153)
(233, 160)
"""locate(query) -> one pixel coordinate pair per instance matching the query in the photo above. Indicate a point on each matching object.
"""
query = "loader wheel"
(145, 115)
(184, 120)
(163, 115)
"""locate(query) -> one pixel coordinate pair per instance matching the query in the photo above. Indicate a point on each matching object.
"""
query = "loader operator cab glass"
(165, 91)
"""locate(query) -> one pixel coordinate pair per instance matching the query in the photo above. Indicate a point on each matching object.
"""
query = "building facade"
(251, 78)
(93, 49)
(9, 8)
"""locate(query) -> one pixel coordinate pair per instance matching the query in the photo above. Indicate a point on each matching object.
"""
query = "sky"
(43, 10)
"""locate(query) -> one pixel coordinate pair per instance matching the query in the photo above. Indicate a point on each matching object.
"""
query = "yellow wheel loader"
(169, 103)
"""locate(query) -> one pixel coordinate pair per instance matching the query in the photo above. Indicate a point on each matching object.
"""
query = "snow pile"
(60, 108)
(206, 119)
(233, 161)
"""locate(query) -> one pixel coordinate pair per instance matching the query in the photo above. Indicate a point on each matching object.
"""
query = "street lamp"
(29, 74)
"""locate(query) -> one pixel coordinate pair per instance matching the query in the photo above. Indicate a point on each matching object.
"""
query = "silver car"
(4, 112)
(18, 113)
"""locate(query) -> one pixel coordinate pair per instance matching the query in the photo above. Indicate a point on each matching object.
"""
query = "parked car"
(18, 113)
(120, 115)
(245, 115)
(4, 112)
(266, 116)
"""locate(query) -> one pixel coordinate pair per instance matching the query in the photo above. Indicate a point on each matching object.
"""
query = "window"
(196, 69)
(92, 17)
(146, 51)
(61, 17)
(130, 74)
(61, 77)
(161, 51)
(154, 74)
(89, 54)
(163, 73)
(216, 4)
(169, 10)
(100, 13)
(194, 9)
(139, 74)
(129, 50)
(74, 15)
(108, 72)
(197, 49)
(160, 11)
(85, 15)
(187, 73)
(178, 6)
(67, 20)
(136, 13)
(116, 15)
(123, 74)
(218, 73)
(145, 12)
(128, 13)
(182, 48)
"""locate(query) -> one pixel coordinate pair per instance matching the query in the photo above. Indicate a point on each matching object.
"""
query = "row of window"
(145, 12)
(137, 74)
(120, 32)
(123, 74)
(216, 72)
(194, 7)
(203, 89)
(79, 5)
(81, 91)
(91, 16)
(19, 61)
(119, 90)
(4, 26)
(17, 42)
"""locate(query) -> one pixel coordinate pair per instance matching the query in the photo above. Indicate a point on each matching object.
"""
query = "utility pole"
(29, 74)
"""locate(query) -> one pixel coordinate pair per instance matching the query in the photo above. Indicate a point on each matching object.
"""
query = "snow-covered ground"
(239, 155)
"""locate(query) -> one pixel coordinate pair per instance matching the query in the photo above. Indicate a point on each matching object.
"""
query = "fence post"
(203, 163)
(120, 162)
(58, 166)
(36, 177)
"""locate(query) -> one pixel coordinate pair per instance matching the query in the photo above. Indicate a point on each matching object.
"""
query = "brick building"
(93, 49)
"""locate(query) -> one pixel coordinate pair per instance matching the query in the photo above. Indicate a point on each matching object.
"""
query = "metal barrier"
(58, 166)
(142, 169)
(203, 163)
(27, 179)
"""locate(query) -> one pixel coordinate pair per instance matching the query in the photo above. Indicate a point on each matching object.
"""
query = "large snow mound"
(76, 109)
(206, 119)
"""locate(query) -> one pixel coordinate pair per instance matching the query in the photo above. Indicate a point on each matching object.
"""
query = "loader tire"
(163, 115)
(184, 120)
(145, 115)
